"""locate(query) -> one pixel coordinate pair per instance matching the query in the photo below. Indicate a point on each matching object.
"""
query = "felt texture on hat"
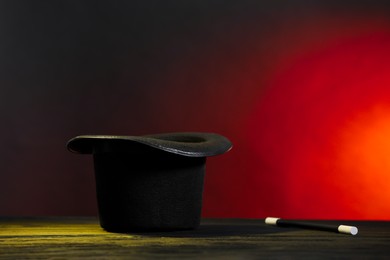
(192, 144)
(149, 193)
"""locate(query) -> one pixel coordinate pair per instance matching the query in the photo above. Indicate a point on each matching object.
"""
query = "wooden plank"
(228, 239)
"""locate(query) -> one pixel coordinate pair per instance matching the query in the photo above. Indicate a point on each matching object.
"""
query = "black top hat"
(187, 144)
(150, 182)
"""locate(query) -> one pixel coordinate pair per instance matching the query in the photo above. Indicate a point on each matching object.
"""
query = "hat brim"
(191, 144)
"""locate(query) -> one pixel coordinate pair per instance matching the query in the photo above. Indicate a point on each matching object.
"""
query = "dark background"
(140, 67)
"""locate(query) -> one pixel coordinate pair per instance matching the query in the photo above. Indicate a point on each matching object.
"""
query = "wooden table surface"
(64, 238)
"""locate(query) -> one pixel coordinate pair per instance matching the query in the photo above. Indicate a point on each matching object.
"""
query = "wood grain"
(64, 238)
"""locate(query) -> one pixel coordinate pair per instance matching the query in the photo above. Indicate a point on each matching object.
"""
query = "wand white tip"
(271, 221)
(348, 229)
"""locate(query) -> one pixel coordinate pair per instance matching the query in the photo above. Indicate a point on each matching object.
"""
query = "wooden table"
(64, 238)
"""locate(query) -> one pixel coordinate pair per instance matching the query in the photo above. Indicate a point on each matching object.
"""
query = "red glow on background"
(363, 161)
(306, 105)
(322, 130)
